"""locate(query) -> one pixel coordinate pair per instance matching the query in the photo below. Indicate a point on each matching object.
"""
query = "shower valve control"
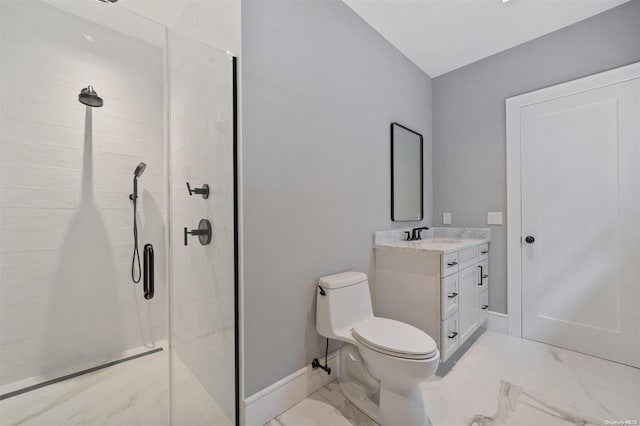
(203, 232)
(204, 191)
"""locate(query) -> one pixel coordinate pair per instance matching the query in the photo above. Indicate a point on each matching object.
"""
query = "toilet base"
(405, 408)
(355, 394)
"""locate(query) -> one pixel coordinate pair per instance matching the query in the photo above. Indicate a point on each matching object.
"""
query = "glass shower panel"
(68, 303)
(202, 153)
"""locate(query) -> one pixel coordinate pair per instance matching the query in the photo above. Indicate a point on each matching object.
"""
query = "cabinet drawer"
(449, 264)
(449, 295)
(450, 337)
(483, 275)
(484, 306)
(483, 251)
(467, 257)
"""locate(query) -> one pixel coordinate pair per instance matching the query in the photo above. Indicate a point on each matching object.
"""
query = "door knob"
(529, 239)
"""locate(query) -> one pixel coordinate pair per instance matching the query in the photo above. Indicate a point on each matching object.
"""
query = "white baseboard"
(274, 400)
(497, 322)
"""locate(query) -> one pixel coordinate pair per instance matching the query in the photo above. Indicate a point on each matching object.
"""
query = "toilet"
(383, 361)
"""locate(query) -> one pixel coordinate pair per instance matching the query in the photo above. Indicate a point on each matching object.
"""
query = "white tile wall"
(66, 297)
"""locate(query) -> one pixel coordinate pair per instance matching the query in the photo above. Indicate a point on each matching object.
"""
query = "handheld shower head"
(139, 170)
(136, 174)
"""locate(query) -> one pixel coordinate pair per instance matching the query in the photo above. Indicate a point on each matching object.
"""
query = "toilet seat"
(395, 338)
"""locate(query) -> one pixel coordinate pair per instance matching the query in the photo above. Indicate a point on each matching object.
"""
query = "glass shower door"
(201, 82)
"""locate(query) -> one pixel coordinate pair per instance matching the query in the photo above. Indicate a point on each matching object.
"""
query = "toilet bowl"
(394, 354)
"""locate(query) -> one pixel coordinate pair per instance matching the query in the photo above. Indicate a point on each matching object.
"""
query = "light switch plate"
(494, 218)
(446, 218)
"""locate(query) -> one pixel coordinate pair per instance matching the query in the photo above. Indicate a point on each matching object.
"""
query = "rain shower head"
(89, 97)
(139, 170)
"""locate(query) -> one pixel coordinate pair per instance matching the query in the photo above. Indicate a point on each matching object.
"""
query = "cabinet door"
(483, 275)
(449, 295)
(484, 306)
(483, 251)
(467, 257)
(468, 306)
(449, 263)
(450, 337)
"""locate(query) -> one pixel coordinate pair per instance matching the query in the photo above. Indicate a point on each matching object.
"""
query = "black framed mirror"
(406, 174)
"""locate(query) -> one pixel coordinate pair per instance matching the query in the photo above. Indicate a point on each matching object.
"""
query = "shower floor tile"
(134, 393)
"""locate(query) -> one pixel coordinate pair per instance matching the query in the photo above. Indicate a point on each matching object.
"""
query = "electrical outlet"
(494, 218)
(446, 218)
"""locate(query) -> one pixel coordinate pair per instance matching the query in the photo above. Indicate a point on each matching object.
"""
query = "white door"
(580, 195)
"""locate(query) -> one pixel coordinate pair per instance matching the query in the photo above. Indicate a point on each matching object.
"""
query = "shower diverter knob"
(203, 232)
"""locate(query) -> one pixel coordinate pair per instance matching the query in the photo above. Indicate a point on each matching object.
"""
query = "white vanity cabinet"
(443, 292)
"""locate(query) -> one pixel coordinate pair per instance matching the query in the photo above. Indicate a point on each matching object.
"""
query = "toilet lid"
(395, 338)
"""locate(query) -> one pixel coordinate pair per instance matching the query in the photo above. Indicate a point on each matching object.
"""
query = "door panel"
(580, 201)
(468, 280)
(449, 295)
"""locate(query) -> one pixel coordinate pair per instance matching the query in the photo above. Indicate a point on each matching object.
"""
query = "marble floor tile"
(134, 393)
(512, 381)
(503, 380)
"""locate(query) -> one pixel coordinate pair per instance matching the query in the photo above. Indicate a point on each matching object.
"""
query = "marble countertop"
(434, 240)
(433, 245)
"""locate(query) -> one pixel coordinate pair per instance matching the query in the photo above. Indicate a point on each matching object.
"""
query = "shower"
(94, 303)
(89, 97)
(134, 197)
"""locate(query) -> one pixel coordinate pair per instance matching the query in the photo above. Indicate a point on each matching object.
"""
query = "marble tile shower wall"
(202, 152)
(66, 296)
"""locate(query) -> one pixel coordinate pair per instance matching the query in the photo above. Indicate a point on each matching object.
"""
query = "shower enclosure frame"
(236, 240)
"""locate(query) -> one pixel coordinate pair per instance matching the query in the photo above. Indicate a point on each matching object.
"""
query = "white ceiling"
(442, 35)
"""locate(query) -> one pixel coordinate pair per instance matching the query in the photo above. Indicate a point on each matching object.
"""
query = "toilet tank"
(346, 302)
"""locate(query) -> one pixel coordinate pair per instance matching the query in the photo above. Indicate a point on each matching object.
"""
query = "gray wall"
(469, 117)
(320, 88)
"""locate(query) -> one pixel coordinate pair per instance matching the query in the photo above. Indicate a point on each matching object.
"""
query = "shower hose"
(136, 254)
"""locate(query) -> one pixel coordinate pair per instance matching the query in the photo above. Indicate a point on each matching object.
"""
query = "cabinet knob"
(454, 263)
(484, 307)
(484, 252)
(452, 295)
(452, 335)
(529, 239)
